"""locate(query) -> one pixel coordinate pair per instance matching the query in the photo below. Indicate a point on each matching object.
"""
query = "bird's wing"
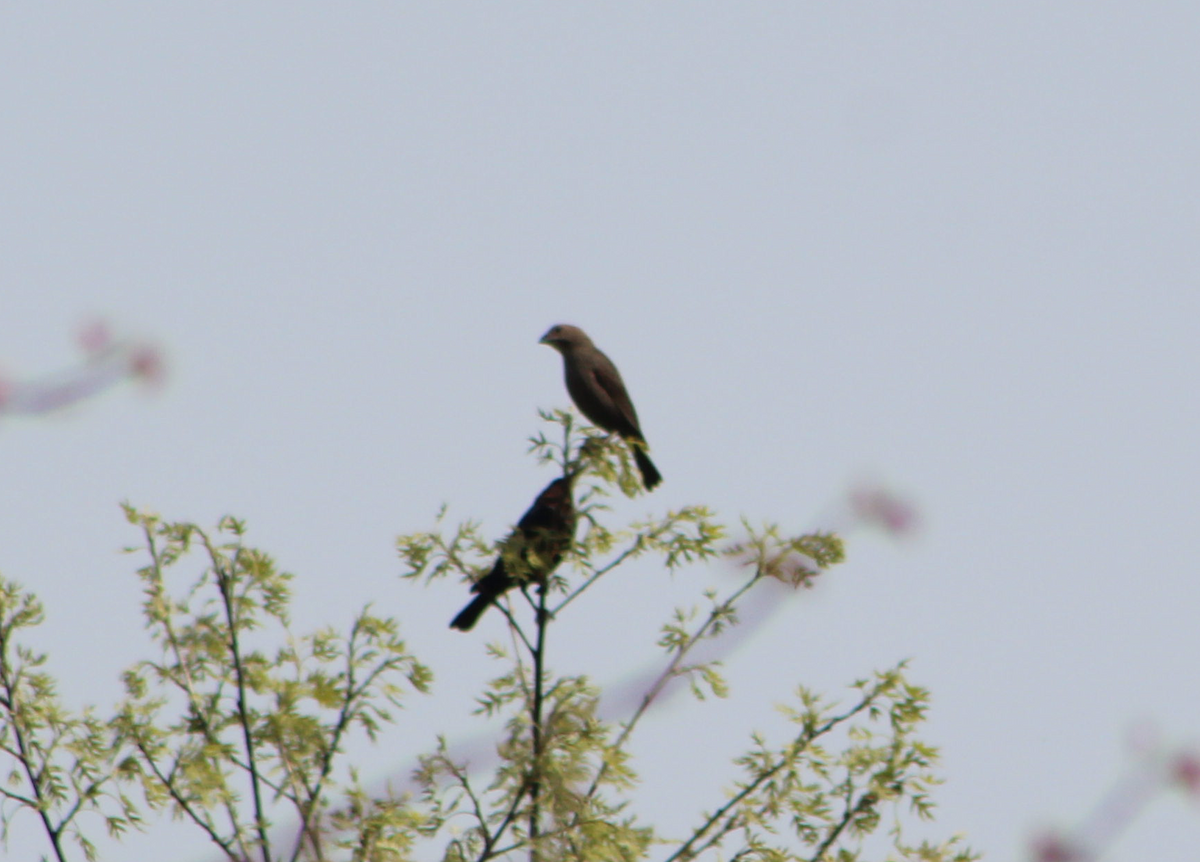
(608, 379)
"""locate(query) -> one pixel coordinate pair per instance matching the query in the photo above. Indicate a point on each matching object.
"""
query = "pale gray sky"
(952, 246)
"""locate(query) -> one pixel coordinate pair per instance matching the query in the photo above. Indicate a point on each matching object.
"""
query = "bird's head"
(563, 337)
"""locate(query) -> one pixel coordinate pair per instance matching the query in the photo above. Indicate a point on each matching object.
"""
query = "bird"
(530, 553)
(595, 386)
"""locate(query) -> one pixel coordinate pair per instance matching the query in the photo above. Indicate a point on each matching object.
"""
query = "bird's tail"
(466, 619)
(650, 474)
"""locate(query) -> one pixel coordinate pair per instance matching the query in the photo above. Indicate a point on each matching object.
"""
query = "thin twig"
(515, 626)
(637, 545)
(168, 781)
(866, 801)
(313, 792)
(225, 583)
(490, 841)
(465, 783)
(41, 805)
(670, 671)
(688, 850)
(18, 798)
(535, 780)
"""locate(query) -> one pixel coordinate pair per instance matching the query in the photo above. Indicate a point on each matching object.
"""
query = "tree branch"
(225, 583)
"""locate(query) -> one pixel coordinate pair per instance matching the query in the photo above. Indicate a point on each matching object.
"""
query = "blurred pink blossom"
(1052, 847)
(1151, 772)
(1185, 772)
(879, 506)
(146, 363)
(95, 337)
(107, 362)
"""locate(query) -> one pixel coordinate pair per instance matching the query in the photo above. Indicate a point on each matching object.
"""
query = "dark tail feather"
(470, 615)
(650, 474)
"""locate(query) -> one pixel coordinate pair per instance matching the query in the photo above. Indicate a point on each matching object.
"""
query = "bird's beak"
(545, 339)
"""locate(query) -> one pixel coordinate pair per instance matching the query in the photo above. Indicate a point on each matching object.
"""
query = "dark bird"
(530, 553)
(596, 387)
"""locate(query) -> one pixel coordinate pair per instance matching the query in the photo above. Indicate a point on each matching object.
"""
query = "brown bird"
(530, 553)
(596, 387)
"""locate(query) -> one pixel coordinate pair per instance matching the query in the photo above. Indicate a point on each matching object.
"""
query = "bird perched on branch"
(596, 387)
(530, 553)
